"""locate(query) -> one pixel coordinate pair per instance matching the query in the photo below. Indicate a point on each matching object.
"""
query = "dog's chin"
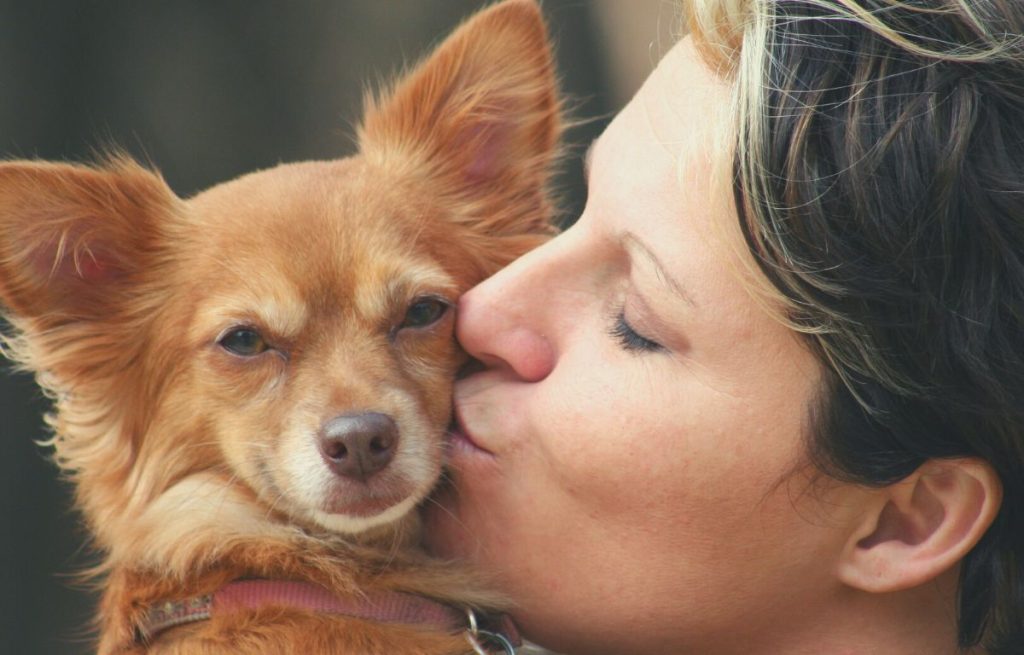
(364, 516)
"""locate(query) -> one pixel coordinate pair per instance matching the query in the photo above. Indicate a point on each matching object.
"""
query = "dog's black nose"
(358, 445)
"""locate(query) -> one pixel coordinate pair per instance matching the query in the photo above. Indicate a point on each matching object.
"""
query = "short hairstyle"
(879, 180)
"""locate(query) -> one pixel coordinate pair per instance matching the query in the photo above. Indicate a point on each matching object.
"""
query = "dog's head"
(279, 349)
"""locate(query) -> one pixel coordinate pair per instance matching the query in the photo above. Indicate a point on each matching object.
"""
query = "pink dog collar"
(380, 606)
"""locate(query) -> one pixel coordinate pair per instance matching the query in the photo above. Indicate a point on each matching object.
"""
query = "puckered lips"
(461, 439)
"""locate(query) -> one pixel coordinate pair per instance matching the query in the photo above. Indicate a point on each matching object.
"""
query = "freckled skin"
(629, 499)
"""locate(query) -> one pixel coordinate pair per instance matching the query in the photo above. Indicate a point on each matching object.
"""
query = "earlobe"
(920, 527)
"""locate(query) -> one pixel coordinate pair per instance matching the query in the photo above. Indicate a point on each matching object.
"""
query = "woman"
(767, 395)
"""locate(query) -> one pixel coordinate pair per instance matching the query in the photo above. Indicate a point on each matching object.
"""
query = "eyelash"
(629, 339)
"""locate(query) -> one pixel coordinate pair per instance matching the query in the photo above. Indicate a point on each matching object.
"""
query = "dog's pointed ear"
(73, 238)
(480, 117)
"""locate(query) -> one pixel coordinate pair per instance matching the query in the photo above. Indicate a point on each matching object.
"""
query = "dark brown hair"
(880, 183)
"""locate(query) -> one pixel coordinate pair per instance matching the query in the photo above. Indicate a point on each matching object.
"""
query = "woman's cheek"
(592, 448)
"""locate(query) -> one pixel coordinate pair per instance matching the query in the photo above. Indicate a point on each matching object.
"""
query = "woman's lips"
(461, 438)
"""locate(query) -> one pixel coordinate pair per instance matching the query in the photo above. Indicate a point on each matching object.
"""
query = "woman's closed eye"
(629, 339)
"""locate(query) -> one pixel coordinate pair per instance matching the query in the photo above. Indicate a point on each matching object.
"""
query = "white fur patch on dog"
(356, 524)
(208, 515)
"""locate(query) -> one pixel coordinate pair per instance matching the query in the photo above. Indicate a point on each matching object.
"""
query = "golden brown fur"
(194, 466)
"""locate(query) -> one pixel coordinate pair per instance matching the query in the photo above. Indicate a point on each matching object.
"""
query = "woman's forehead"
(681, 116)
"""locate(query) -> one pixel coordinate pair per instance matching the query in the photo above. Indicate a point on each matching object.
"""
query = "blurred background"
(206, 91)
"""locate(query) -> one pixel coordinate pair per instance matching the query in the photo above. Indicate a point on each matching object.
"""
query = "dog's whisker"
(446, 510)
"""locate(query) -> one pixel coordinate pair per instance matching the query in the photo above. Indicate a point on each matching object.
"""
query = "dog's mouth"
(349, 510)
(344, 502)
(365, 503)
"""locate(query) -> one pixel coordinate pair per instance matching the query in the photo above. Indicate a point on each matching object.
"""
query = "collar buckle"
(486, 642)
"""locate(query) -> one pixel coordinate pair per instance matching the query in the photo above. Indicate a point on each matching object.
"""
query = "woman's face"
(622, 451)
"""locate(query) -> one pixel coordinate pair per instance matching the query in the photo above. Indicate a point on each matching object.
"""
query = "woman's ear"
(922, 526)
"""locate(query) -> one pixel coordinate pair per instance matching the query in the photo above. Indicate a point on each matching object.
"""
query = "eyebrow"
(631, 243)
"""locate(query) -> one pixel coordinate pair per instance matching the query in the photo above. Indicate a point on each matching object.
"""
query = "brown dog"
(252, 386)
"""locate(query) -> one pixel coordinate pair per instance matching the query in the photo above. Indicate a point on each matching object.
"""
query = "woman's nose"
(504, 322)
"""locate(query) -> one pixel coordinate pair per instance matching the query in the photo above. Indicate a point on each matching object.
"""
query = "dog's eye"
(424, 312)
(244, 341)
